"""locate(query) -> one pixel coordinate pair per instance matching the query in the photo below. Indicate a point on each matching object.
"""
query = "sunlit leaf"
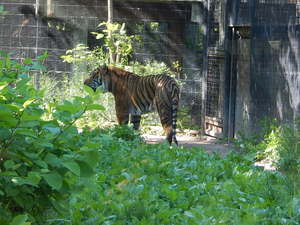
(28, 102)
(88, 90)
(27, 61)
(95, 107)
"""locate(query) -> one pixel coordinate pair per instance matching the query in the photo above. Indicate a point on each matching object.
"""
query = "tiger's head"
(97, 79)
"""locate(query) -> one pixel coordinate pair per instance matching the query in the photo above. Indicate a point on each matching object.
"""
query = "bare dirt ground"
(209, 144)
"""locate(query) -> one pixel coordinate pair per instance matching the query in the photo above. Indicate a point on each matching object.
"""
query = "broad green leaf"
(54, 180)
(19, 220)
(69, 107)
(10, 107)
(5, 113)
(27, 61)
(3, 85)
(3, 98)
(31, 115)
(85, 169)
(26, 132)
(29, 124)
(80, 99)
(43, 57)
(33, 178)
(91, 157)
(38, 66)
(4, 132)
(41, 163)
(28, 102)
(18, 180)
(11, 165)
(52, 160)
(52, 128)
(95, 107)
(72, 166)
(88, 90)
(7, 121)
(44, 142)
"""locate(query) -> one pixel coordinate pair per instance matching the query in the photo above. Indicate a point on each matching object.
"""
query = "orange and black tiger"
(135, 95)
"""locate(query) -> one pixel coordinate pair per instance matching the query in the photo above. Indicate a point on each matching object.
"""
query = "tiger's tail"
(174, 120)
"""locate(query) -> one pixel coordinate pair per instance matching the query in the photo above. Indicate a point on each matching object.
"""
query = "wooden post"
(110, 11)
(110, 14)
(49, 8)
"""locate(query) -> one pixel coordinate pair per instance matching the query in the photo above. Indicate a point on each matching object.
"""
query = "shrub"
(40, 159)
(279, 146)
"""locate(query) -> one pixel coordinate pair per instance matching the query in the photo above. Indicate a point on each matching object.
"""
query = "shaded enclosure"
(31, 27)
(264, 41)
(240, 58)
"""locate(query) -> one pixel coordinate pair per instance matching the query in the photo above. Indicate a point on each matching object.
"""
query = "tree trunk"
(110, 11)
(110, 15)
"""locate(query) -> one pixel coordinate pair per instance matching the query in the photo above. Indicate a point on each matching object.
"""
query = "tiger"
(136, 95)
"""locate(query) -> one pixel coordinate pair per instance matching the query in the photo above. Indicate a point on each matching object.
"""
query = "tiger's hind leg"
(169, 133)
(168, 123)
(135, 120)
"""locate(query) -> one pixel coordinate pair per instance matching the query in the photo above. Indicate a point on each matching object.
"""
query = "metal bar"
(230, 125)
(205, 69)
(37, 74)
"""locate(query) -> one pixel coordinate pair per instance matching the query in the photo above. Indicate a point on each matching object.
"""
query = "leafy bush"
(279, 147)
(276, 143)
(40, 159)
(283, 150)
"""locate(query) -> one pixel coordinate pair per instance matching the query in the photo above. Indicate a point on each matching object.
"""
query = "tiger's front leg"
(135, 120)
(122, 114)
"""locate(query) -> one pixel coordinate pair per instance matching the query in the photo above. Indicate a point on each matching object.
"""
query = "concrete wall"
(268, 65)
(67, 22)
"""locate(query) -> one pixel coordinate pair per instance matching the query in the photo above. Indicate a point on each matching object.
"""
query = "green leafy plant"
(153, 184)
(2, 11)
(40, 159)
(116, 41)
